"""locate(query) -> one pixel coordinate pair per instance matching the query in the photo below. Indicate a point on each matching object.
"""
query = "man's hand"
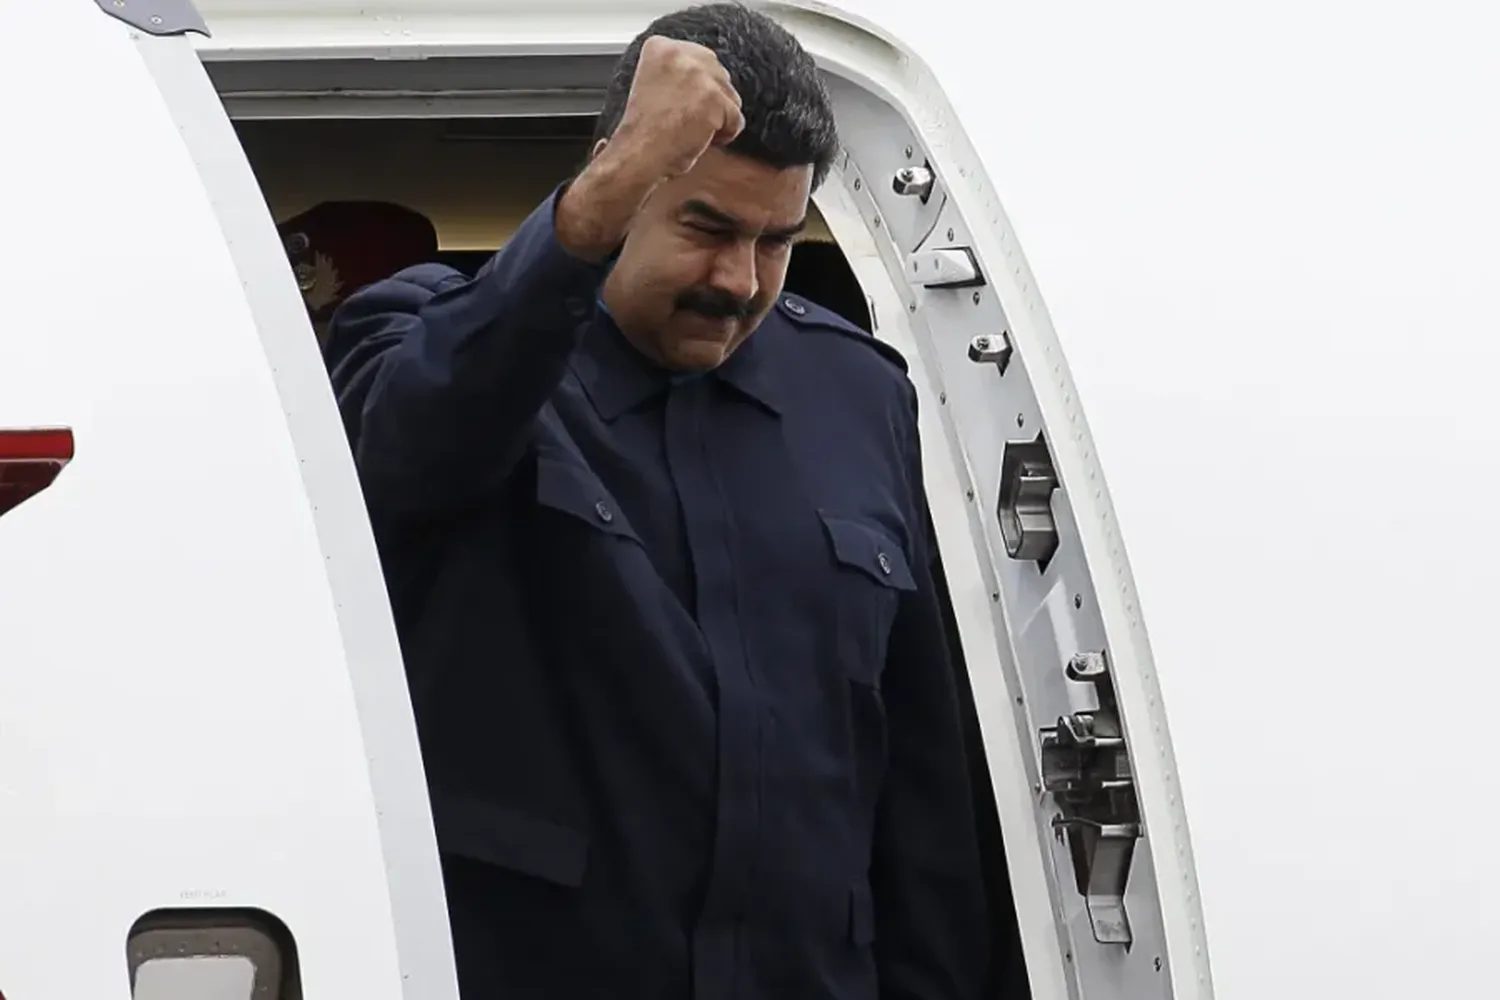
(681, 102)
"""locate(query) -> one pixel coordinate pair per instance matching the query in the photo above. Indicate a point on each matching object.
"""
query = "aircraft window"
(212, 955)
(212, 977)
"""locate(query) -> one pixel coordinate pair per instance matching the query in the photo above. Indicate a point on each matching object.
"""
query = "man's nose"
(734, 271)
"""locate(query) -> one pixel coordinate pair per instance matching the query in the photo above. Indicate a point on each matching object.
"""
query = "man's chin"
(691, 355)
(701, 343)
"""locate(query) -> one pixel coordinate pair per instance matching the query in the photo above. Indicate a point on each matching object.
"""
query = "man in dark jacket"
(337, 247)
(657, 544)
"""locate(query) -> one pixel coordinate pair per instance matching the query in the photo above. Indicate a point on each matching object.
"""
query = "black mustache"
(714, 304)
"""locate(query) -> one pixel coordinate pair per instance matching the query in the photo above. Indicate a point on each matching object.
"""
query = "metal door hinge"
(157, 17)
(1086, 767)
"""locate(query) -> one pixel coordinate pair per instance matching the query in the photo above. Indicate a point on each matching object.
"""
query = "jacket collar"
(617, 378)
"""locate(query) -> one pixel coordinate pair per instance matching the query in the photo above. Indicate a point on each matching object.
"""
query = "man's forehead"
(774, 219)
(756, 197)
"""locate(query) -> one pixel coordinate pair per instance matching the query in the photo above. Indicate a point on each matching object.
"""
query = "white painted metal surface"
(201, 701)
(1265, 235)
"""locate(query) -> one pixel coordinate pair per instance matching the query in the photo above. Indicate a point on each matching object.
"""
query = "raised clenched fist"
(681, 102)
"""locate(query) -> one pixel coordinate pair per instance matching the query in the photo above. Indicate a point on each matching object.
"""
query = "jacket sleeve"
(439, 378)
(931, 919)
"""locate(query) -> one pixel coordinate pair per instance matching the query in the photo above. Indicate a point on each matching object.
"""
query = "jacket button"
(885, 563)
(605, 514)
(795, 308)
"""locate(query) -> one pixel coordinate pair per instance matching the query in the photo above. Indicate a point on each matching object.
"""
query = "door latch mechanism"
(945, 267)
(1025, 507)
(992, 349)
(1086, 767)
(914, 182)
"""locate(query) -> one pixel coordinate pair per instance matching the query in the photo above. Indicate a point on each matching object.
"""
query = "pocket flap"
(472, 828)
(865, 546)
(573, 489)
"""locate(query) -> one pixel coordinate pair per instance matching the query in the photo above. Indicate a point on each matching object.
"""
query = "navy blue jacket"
(687, 715)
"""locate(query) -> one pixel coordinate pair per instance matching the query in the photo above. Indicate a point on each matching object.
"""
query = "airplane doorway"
(474, 181)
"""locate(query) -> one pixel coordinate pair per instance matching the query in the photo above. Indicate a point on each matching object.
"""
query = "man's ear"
(598, 148)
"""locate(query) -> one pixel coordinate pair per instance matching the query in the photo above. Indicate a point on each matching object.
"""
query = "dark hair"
(788, 115)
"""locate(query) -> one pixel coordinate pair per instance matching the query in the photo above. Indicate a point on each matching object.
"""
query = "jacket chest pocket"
(871, 575)
(570, 489)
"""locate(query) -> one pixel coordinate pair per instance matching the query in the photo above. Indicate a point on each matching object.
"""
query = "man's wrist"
(596, 208)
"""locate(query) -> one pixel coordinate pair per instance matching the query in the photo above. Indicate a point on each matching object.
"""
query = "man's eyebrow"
(718, 217)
